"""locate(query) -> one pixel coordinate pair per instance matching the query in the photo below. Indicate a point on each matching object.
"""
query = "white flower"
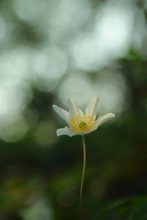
(79, 123)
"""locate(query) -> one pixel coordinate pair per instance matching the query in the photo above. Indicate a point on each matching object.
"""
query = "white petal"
(73, 109)
(61, 112)
(91, 108)
(103, 118)
(65, 131)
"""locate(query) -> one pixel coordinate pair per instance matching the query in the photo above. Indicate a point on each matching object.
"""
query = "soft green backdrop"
(52, 50)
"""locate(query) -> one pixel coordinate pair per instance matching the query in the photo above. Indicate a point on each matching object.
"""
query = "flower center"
(83, 125)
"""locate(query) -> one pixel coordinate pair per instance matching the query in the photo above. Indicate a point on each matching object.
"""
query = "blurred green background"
(52, 50)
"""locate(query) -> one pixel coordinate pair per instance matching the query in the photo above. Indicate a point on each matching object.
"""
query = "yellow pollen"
(81, 123)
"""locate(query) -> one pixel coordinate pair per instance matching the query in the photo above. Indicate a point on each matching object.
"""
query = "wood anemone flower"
(81, 123)
(78, 122)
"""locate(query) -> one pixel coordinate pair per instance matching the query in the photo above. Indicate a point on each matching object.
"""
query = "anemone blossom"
(79, 122)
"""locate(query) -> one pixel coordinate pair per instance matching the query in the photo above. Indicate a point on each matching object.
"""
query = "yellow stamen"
(81, 123)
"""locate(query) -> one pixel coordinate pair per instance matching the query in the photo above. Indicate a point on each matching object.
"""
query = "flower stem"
(83, 170)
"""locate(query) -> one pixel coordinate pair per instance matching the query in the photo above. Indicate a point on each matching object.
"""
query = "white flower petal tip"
(91, 107)
(61, 113)
(65, 131)
(73, 109)
(112, 115)
(104, 118)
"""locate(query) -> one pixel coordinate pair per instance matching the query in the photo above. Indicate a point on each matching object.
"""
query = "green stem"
(83, 170)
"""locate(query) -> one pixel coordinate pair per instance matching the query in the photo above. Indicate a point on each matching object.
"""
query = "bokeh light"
(51, 51)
